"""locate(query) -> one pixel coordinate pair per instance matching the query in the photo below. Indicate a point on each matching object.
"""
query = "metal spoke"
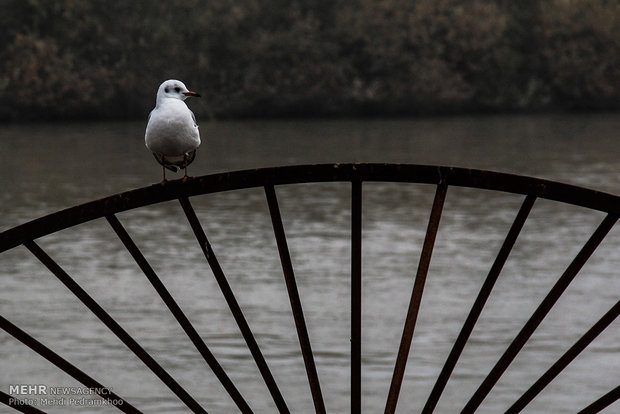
(18, 405)
(479, 303)
(566, 359)
(416, 298)
(603, 402)
(66, 366)
(177, 312)
(440, 176)
(540, 313)
(233, 304)
(114, 327)
(356, 297)
(291, 286)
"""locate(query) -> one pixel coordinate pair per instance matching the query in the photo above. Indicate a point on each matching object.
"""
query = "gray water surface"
(53, 166)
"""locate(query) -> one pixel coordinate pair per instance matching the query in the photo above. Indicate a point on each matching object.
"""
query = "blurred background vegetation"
(77, 59)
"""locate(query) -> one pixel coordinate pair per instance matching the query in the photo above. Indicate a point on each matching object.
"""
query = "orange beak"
(190, 93)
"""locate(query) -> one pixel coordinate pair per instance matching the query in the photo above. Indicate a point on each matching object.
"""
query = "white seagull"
(172, 133)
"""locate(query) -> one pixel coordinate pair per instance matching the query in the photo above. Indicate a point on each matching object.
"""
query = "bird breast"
(171, 129)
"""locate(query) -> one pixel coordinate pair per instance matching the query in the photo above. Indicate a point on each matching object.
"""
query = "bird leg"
(185, 165)
(164, 170)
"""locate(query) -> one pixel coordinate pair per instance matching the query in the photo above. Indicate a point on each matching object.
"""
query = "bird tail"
(177, 162)
(163, 161)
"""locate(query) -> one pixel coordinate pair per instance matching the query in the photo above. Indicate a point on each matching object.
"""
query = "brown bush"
(68, 59)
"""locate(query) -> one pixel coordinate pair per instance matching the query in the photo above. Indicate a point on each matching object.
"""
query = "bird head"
(174, 89)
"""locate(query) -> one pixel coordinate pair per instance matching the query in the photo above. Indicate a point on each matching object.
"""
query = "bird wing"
(193, 117)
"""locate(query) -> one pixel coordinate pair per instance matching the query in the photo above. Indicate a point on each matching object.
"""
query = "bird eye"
(177, 89)
(166, 89)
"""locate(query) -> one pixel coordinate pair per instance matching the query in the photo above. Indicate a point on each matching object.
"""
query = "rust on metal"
(356, 297)
(66, 366)
(259, 359)
(603, 402)
(416, 298)
(18, 404)
(478, 305)
(295, 300)
(540, 313)
(174, 308)
(121, 333)
(565, 359)
(356, 174)
(423, 174)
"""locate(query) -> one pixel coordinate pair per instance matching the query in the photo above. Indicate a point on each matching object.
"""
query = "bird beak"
(190, 93)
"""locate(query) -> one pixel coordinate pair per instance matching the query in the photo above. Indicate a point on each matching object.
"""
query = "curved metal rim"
(298, 174)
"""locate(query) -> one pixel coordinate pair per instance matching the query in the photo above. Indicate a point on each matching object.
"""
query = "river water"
(47, 167)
